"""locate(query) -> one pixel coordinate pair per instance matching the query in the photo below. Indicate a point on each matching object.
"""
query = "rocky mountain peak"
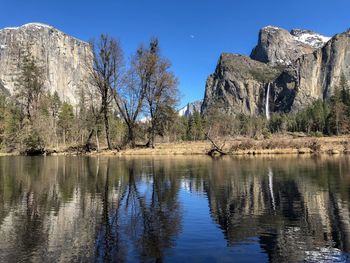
(278, 46)
(190, 108)
(309, 37)
(271, 28)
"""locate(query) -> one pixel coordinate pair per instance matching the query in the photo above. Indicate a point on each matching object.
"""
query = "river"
(174, 209)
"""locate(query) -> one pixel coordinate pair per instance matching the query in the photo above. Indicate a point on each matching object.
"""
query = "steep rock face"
(277, 46)
(296, 78)
(238, 85)
(65, 60)
(315, 75)
(190, 108)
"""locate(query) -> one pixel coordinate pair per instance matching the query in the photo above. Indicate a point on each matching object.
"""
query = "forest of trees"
(134, 104)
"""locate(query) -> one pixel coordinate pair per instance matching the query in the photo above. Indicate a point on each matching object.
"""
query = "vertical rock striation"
(64, 59)
(238, 85)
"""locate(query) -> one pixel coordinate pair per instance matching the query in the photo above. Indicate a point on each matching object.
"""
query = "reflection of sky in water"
(197, 209)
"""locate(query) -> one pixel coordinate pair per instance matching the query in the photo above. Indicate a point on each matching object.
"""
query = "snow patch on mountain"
(310, 38)
(34, 25)
(190, 108)
(272, 27)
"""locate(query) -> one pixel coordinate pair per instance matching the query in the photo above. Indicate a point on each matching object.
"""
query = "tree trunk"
(131, 136)
(64, 138)
(97, 141)
(105, 116)
(151, 134)
(88, 141)
(151, 139)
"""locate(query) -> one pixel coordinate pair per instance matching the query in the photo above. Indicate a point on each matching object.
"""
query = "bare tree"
(93, 116)
(105, 73)
(130, 96)
(161, 93)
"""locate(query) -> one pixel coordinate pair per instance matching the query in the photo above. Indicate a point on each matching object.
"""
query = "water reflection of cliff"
(297, 208)
(115, 210)
(83, 209)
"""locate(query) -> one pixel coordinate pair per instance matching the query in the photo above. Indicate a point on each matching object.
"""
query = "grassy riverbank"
(286, 144)
(283, 144)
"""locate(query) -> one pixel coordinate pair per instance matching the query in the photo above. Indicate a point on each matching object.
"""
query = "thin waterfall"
(271, 188)
(267, 102)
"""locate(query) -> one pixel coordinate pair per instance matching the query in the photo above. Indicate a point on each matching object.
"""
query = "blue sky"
(192, 33)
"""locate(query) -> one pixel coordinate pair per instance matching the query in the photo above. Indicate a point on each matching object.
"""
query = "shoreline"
(240, 146)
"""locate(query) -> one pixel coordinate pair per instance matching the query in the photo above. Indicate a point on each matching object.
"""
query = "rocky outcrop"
(190, 108)
(65, 59)
(314, 76)
(277, 46)
(299, 67)
(238, 85)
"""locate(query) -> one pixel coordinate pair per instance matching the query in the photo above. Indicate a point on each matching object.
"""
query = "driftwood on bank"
(216, 149)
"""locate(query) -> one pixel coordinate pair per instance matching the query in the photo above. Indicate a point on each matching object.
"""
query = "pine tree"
(344, 90)
(338, 118)
(66, 120)
(30, 86)
(345, 95)
(2, 113)
(54, 108)
(195, 129)
(12, 126)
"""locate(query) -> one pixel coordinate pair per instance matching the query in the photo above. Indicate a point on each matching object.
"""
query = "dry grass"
(281, 144)
(286, 144)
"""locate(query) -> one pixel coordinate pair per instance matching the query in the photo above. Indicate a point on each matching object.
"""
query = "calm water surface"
(174, 209)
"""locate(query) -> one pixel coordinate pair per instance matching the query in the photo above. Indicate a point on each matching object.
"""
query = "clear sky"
(192, 33)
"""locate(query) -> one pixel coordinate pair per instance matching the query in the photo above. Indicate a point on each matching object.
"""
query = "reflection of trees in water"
(299, 210)
(147, 215)
(109, 247)
(48, 206)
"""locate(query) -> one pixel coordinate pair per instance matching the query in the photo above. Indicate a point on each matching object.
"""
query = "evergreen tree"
(12, 126)
(195, 127)
(66, 120)
(54, 108)
(338, 118)
(30, 86)
(2, 113)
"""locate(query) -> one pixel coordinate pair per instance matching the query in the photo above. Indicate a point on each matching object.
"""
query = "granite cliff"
(290, 69)
(277, 46)
(191, 108)
(63, 58)
(238, 84)
(314, 76)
